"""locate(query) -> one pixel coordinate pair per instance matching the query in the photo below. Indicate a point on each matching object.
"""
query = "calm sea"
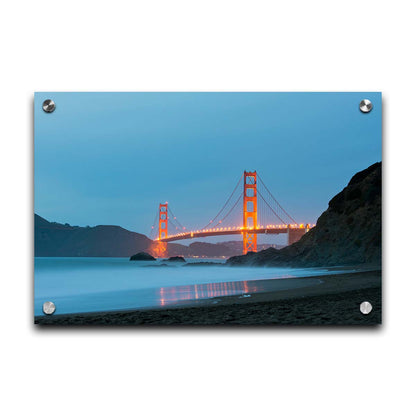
(104, 284)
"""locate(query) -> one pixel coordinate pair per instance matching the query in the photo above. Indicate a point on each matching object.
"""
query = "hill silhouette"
(63, 240)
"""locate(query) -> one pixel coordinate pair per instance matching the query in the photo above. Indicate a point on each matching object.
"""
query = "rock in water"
(141, 256)
(347, 233)
(176, 259)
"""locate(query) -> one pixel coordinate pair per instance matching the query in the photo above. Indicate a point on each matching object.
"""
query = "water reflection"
(173, 294)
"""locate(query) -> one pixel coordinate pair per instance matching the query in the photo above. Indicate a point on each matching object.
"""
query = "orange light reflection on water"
(162, 296)
(175, 294)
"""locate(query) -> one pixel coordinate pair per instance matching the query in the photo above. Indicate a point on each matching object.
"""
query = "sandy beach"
(335, 301)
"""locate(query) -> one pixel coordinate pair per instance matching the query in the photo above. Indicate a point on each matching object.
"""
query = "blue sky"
(110, 158)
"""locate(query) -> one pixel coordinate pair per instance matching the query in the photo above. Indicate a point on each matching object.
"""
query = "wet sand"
(336, 301)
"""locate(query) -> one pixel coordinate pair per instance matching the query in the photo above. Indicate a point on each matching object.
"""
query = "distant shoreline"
(334, 302)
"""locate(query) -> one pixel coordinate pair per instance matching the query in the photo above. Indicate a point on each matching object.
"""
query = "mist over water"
(104, 284)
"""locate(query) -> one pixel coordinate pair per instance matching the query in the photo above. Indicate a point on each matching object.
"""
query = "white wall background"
(194, 46)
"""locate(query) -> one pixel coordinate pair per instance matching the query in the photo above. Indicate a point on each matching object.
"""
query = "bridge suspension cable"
(229, 212)
(276, 202)
(274, 212)
(174, 218)
(153, 232)
(173, 225)
(223, 207)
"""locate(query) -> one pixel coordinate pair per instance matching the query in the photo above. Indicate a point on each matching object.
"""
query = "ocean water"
(105, 284)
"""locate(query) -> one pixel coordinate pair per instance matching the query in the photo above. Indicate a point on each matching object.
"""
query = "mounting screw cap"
(366, 106)
(48, 106)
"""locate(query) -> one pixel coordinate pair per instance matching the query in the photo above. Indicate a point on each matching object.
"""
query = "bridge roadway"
(295, 229)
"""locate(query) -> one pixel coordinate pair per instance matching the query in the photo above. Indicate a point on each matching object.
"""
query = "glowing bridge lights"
(259, 229)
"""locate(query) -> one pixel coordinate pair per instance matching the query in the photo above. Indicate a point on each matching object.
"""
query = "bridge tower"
(250, 212)
(163, 220)
(161, 247)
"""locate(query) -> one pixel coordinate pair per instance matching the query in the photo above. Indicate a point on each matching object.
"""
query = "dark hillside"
(59, 240)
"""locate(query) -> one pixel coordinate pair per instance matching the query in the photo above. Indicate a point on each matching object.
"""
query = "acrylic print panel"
(207, 208)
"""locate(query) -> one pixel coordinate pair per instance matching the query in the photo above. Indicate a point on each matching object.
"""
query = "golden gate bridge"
(259, 213)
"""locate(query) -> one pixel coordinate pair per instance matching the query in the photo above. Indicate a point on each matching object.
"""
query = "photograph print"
(207, 209)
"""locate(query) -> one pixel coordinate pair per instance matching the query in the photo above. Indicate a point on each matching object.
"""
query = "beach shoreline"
(333, 302)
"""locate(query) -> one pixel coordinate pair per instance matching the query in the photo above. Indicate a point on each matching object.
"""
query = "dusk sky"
(110, 158)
